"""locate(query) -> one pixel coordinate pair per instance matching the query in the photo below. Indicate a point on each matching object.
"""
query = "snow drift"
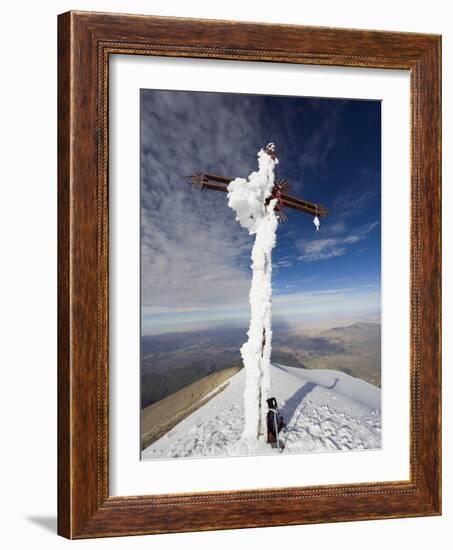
(325, 410)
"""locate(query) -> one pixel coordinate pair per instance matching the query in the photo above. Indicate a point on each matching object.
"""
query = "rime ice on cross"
(258, 202)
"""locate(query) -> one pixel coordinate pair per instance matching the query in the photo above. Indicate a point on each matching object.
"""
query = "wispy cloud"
(283, 263)
(192, 250)
(331, 247)
(287, 307)
(322, 140)
(355, 198)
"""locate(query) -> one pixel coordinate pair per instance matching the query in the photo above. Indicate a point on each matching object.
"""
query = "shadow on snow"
(293, 403)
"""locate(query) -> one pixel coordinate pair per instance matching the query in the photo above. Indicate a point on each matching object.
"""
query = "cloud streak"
(192, 251)
(332, 247)
(319, 304)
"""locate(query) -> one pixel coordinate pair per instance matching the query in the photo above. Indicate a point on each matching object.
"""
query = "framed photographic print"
(249, 275)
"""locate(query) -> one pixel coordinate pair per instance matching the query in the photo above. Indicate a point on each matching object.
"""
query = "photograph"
(260, 241)
(226, 259)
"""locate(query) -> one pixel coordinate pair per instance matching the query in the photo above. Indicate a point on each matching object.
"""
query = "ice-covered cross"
(258, 202)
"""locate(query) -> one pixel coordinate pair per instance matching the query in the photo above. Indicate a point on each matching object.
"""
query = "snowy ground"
(325, 410)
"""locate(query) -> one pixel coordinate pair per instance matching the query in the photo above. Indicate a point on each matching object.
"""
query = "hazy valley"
(172, 361)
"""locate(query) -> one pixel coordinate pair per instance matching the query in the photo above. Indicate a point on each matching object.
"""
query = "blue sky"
(195, 259)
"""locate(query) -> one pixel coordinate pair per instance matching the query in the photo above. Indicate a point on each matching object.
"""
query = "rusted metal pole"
(220, 183)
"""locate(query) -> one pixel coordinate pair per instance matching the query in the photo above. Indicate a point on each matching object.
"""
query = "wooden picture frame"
(85, 42)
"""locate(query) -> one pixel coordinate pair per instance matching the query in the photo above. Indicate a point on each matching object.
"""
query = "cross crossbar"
(220, 183)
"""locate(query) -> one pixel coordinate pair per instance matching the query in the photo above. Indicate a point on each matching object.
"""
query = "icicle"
(317, 223)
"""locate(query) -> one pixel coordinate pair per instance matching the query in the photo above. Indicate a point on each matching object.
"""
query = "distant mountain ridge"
(171, 361)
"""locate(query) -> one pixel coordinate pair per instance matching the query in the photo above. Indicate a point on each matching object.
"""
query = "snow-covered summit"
(325, 410)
